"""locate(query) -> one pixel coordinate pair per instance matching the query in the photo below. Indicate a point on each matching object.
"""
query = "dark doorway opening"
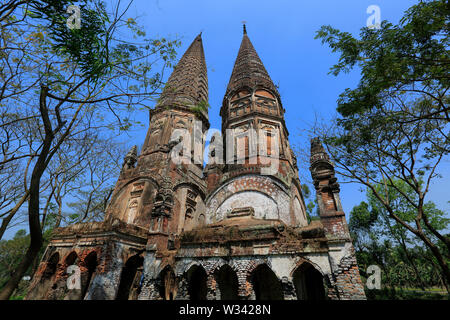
(71, 259)
(52, 265)
(266, 284)
(167, 284)
(197, 283)
(308, 283)
(91, 265)
(228, 283)
(128, 276)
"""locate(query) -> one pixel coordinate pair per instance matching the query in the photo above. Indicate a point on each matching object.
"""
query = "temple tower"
(159, 193)
(153, 201)
(258, 162)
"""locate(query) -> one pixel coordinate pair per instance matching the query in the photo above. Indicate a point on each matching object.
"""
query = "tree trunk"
(434, 249)
(33, 203)
(437, 254)
(11, 215)
(411, 261)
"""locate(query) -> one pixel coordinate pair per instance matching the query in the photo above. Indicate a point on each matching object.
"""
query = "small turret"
(130, 159)
(327, 191)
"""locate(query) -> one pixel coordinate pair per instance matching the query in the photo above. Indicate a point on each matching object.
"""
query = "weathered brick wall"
(347, 280)
(343, 283)
(335, 226)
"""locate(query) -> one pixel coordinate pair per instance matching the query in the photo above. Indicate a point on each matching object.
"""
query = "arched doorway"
(266, 284)
(197, 283)
(128, 276)
(91, 264)
(167, 284)
(308, 283)
(52, 265)
(228, 283)
(74, 293)
(71, 259)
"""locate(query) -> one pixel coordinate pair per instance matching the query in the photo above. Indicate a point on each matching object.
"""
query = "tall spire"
(188, 83)
(248, 69)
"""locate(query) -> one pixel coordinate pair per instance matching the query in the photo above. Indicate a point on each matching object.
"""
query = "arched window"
(197, 285)
(71, 259)
(201, 220)
(269, 142)
(308, 283)
(52, 265)
(228, 283)
(167, 284)
(169, 200)
(91, 264)
(266, 284)
(159, 198)
(128, 277)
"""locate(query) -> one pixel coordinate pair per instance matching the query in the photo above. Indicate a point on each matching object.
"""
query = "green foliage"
(410, 57)
(405, 294)
(393, 133)
(88, 45)
(12, 252)
(201, 107)
(380, 240)
(312, 212)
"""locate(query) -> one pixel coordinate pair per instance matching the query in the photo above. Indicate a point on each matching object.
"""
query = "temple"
(235, 228)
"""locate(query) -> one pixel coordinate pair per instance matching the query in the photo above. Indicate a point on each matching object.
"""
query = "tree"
(395, 126)
(401, 62)
(371, 225)
(65, 84)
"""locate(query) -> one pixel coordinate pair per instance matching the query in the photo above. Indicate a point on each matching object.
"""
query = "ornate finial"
(131, 158)
(245, 29)
(318, 153)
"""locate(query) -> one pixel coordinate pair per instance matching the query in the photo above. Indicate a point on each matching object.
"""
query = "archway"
(308, 283)
(167, 284)
(75, 292)
(197, 283)
(52, 265)
(91, 264)
(228, 283)
(128, 276)
(71, 259)
(266, 284)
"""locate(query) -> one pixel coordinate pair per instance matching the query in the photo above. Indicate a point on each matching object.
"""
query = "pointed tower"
(327, 190)
(259, 164)
(248, 70)
(345, 272)
(185, 92)
(153, 201)
(188, 84)
(180, 107)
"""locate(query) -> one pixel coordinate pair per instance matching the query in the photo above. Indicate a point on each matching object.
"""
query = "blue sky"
(282, 33)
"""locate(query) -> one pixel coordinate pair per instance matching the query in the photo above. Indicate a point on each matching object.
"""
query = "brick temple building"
(229, 230)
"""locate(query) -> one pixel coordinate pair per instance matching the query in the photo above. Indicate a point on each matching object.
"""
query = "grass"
(407, 294)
